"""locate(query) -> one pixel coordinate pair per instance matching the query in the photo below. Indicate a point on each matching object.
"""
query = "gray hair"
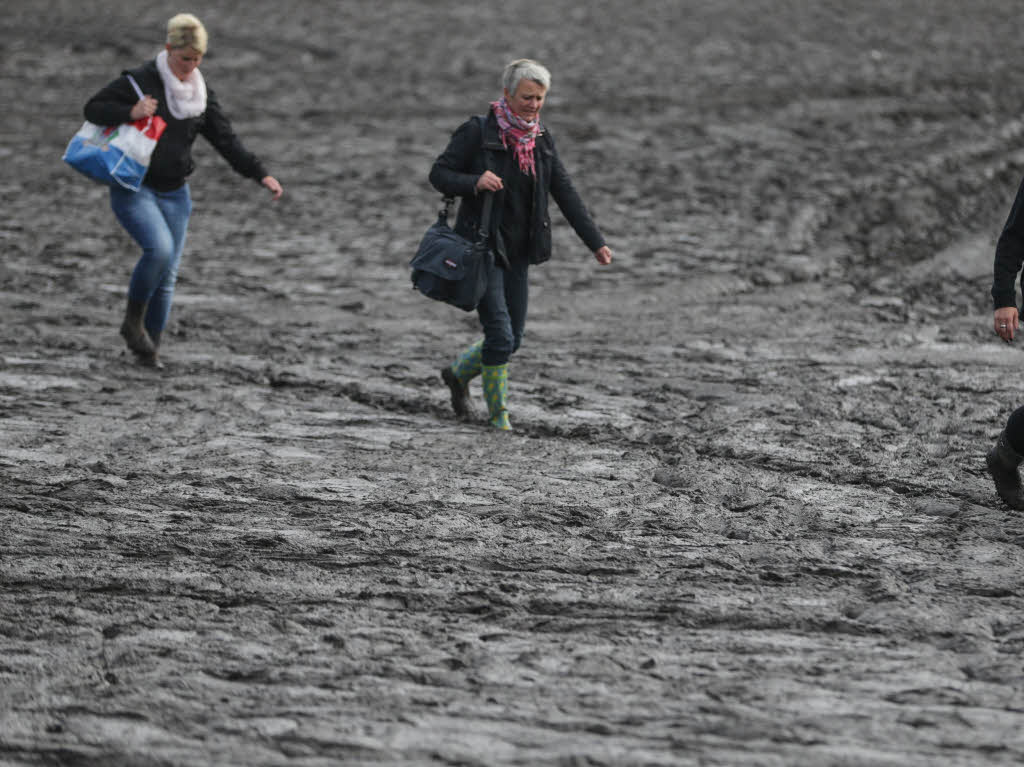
(525, 69)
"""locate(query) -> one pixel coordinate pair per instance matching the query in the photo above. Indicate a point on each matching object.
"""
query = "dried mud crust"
(744, 517)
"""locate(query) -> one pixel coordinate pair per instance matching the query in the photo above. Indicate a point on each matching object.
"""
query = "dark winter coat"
(1009, 255)
(469, 153)
(171, 162)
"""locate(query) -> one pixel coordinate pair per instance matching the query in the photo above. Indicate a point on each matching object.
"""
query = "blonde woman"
(157, 215)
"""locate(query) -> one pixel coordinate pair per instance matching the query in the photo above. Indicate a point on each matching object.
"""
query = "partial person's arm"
(571, 204)
(1009, 255)
(217, 130)
(112, 104)
(1008, 261)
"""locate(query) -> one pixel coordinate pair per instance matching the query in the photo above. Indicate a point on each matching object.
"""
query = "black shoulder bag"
(448, 267)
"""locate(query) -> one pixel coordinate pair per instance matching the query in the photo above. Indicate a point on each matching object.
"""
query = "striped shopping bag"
(115, 154)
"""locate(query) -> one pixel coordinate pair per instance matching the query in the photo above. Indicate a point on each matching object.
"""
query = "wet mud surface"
(743, 519)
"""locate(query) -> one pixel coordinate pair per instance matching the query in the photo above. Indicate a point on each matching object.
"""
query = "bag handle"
(485, 216)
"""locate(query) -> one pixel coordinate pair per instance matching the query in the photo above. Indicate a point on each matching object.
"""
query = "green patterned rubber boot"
(495, 382)
(458, 375)
(467, 364)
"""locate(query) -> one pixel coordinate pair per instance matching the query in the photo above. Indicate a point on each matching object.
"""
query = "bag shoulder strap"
(485, 216)
(449, 200)
(135, 85)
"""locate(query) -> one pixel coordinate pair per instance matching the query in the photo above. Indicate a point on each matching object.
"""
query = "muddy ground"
(743, 519)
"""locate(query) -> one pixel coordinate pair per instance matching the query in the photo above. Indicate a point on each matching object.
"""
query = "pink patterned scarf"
(522, 134)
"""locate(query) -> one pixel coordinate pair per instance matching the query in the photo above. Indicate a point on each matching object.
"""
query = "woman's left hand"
(603, 255)
(273, 185)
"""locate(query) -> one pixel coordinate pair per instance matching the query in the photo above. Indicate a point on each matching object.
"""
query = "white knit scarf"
(185, 98)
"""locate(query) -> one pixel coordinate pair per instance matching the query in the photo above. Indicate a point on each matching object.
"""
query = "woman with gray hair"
(508, 153)
(156, 216)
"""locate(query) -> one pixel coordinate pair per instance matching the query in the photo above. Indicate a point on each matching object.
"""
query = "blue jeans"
(157, 221)
(502, 311)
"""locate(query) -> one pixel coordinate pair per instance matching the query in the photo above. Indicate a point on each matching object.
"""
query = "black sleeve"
(112, 105)
(452, 173)
(1009, 255)
(569, 202)
(217, 130)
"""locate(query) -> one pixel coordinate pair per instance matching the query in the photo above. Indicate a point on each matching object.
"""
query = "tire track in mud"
(636, 431)
(662, 447)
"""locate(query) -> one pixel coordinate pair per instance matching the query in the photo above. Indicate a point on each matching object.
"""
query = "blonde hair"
(186, 31)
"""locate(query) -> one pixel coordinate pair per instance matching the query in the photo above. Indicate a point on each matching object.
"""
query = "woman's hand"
(144, 107)
(603, 255)
(488, 182)
(1006, 322)
(273, 185)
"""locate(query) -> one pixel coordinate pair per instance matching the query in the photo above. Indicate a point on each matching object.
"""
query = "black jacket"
(1009, 255)
(171, 162)
(470, 152)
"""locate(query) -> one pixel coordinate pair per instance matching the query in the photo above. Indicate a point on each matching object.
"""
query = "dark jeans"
(503, 311)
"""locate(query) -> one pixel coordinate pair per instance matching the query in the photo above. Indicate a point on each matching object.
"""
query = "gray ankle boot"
(134, 332)
(1002, 461)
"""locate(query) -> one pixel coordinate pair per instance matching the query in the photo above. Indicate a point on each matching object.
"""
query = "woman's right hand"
(1006, 322)
(488, 182)
(145, 107)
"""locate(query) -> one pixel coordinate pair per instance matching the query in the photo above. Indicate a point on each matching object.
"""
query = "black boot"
(1002, 461)
(134, 332)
